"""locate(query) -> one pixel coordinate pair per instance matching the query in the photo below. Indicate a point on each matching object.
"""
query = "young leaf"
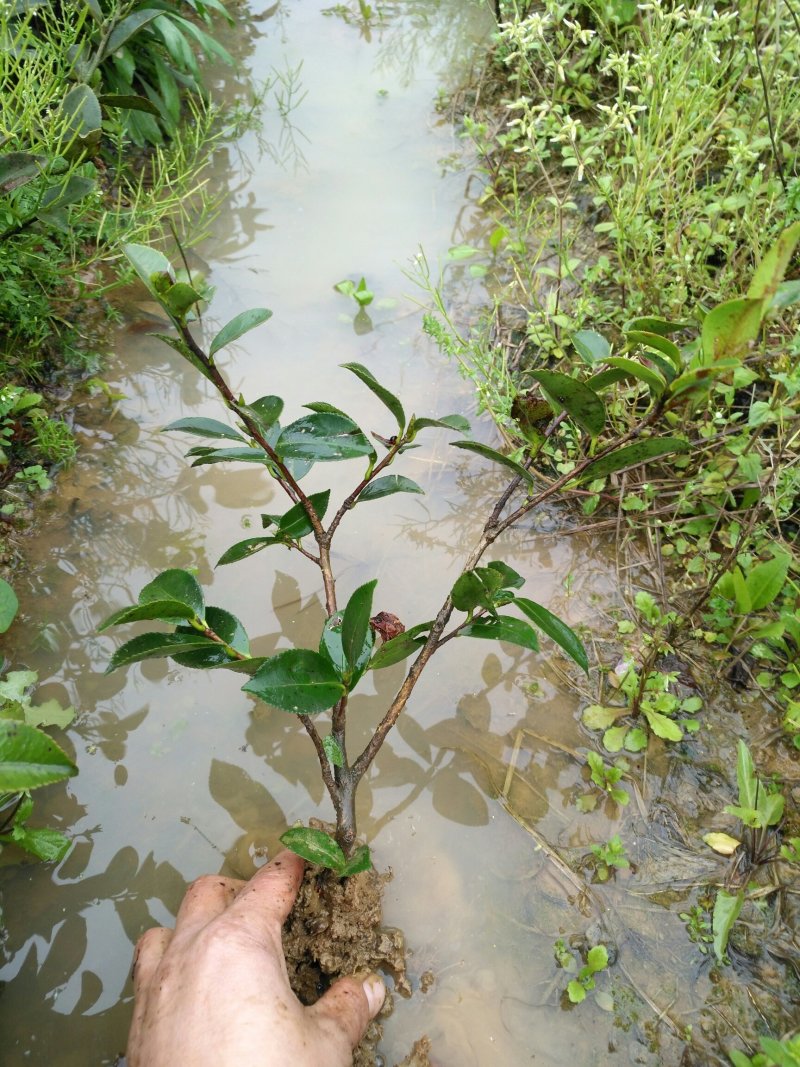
(388, 399)
(237, 327)
(579, 401)
(147, 262)
(315, 846)
(391, 483)
(597, 958)
(726, 911)
(333, 750)
(398, 648)
(298, 680)
(509, 578)
(555, 629)
(266, 411)
(330, 647)
(29, 758)
(355, 622)
(358, 862)
(496, 457)
(9, 605)
(447, 422)
(746, 777)
(633, 455)
(201, 427)
(503, 628)
(154, 646)
(175, 584)
(576, 992)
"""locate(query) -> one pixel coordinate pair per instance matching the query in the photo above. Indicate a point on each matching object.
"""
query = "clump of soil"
(335, 930)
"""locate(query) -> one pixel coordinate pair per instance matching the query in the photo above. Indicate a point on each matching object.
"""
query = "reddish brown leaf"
(387, 625)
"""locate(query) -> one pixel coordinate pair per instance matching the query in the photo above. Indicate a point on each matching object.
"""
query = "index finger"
(265, 901)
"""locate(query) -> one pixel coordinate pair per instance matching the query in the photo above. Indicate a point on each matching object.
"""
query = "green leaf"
(509, 579)
(652, 379)
(330, 646)
(18, 168)
(155, 611)
(29, 758)
(201, 427)
(358, 862)
(127, 28)
(316, 847)
(224, 625)
(576, 992)
(49, 713)
(323, 437)
(726, 911)
(599, 716)
(266, 411)
(9, 605)
(178, 299)
(766, 580)
(175, 584)
(496, 457)
(447, 422)
(391, 483)
(592, 347)
(238, 326)
(333, 750)
(730, 327)
(746, 777)
(657, 343)
(388, 399)
(615, 737)
(653, 324)
(154, 646)
(772, 267)
(503, 628)
(245, 549)
(355, 622)
(129, 102)
(469, 592)
(580, 402)
(400, 647)
(633, 455)
(81, 109)
(147, 262)
(298, 680)
(662, 726)
(46, 844)
(556, 630)
(636, 740)
(295, 523)
(597, 958)
(230, 455)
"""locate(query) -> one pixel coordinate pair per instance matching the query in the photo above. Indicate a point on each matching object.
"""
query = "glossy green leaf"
(558, 631)
(330, 646)
(580, 402)
(323, 437)
(237, 327)
(653, 324)
(298, 680)
(154, 611)
(772, 268)
(446, 422)
(746, 778)
(503, 628)
(178, 299)
(154, 646)
(730, 327)
(509, 579)
(174, 584)
(651, 378)
(333, 750)
(766, 580)
(265, 411)
(658, 343)
(245, 549)
(388, 399)
(296, 523)
(633, 455)
(358, 862)
(355, 622)
(386, 486)
(496, 457)
(127, 28)
(224, 625)
(315, 846)
(29, 758)
(591, 346)
(399, 648)
(9, 605)
(201, 427)
(326, 408)
(726, 911)
(604, 378)
(147, 262)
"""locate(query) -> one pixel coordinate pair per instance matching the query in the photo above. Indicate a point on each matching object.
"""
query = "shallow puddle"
(180, 772)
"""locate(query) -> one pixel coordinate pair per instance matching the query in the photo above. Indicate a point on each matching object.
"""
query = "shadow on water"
(472, 799)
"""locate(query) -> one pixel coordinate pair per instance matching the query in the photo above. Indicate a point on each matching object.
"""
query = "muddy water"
(180, 772)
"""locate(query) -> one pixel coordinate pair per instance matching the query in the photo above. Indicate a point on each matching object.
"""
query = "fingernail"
(376, 994)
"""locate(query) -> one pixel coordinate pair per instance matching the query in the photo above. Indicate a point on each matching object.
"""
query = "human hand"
(215, 993)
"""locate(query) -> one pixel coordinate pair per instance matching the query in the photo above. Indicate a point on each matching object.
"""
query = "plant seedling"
(605, 777)
(360, 292)
(584, 980)
(609, 857)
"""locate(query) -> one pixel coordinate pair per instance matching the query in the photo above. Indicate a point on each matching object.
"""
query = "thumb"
(349, 1005)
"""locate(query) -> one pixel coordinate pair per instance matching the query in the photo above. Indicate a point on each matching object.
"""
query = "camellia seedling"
(315, 683)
